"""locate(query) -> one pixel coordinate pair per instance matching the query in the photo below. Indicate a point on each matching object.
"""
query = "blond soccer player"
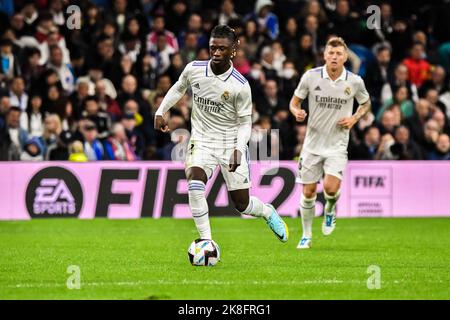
(331, 90)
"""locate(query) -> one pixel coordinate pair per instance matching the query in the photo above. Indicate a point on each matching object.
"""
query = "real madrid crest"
(225, 96)
(347, 91)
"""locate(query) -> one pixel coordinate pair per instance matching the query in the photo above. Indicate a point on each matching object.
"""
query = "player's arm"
(295, 106)
(363, 108)
(244, 113)
(175, 93)
(300, 93)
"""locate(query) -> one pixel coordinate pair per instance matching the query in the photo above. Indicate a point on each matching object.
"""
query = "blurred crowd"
(83, 84)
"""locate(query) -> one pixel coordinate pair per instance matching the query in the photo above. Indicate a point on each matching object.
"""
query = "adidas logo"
(246, 180)
(317, 89)
(197, 86)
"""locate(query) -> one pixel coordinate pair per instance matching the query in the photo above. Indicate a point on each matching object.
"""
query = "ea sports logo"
(54, 192)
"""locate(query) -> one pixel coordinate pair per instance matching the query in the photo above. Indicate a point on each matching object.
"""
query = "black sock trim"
(201, 215)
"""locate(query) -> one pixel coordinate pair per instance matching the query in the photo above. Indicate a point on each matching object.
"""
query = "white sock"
(199, 208)
(307, 210)
(257, 208)
(330, 204)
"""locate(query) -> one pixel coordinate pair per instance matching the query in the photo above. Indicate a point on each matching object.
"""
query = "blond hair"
(337, 42)
(76, 147)
(57, 121)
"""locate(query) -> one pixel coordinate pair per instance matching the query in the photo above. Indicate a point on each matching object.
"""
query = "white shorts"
(312, 167)
(209, 158)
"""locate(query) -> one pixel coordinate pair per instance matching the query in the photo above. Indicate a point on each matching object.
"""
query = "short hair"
(14, 109)
(88, 99)
(337, 42)
(224, 31)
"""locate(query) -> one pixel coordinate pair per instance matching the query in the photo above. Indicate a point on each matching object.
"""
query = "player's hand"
(299, 114)
(347, 123)
(161, 124)
(235, 161)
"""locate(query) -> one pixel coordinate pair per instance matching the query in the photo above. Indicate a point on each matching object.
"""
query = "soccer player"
(331, 90)
(221, 129)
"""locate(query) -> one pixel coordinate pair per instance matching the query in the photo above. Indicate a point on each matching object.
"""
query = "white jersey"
(218, 103)
(329, 101)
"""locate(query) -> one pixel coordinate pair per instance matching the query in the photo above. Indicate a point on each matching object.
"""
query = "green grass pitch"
(147, 259)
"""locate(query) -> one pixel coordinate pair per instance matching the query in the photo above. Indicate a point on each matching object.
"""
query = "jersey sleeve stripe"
(238, 75)
(234, 76)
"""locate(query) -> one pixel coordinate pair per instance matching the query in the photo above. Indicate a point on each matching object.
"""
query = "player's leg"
(250, 205)
(200, 164)
(238, 184)
(307, 211)
(310, 172)
(334, 168)
(197, 179)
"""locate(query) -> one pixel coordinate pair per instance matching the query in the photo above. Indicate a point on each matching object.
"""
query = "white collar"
(343, 76)
(224, 76)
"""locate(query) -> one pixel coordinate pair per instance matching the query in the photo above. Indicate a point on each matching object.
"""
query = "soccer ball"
(204, 252)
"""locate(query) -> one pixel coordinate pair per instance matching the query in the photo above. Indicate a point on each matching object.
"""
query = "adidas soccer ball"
(203, 252)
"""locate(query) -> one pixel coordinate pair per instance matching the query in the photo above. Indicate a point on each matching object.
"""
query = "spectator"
(289, 38)
(441, 120)
(117, 146)
(368, 148)
(176, 67)
(416, 122)
(305, 58)
(227, 12)
(5, 104)
(267, 20)
(17, 94)
(105, 102)
(135, 137)
(400, 79)
(161, 54)
(64, 70)
(194, 25)
(289, 79)
(271, 100)
(378, 74)
(189, 51)
(400, 98)
(31, 70)
(442, 150)
(32, 120)
(9, 67)
(76, 152)
(431, 135)
(436, 82)
(387, 123)
(241, 63)
(32, 150)
(418, 68)
(52, 130)
(403, 148)
(129, 68)
(15, 137)
(344, 24)
(251, 40)
(177, 16)
(99, 118)
(159, 26)
(268, 63)
(314, 8)
(92, 147)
